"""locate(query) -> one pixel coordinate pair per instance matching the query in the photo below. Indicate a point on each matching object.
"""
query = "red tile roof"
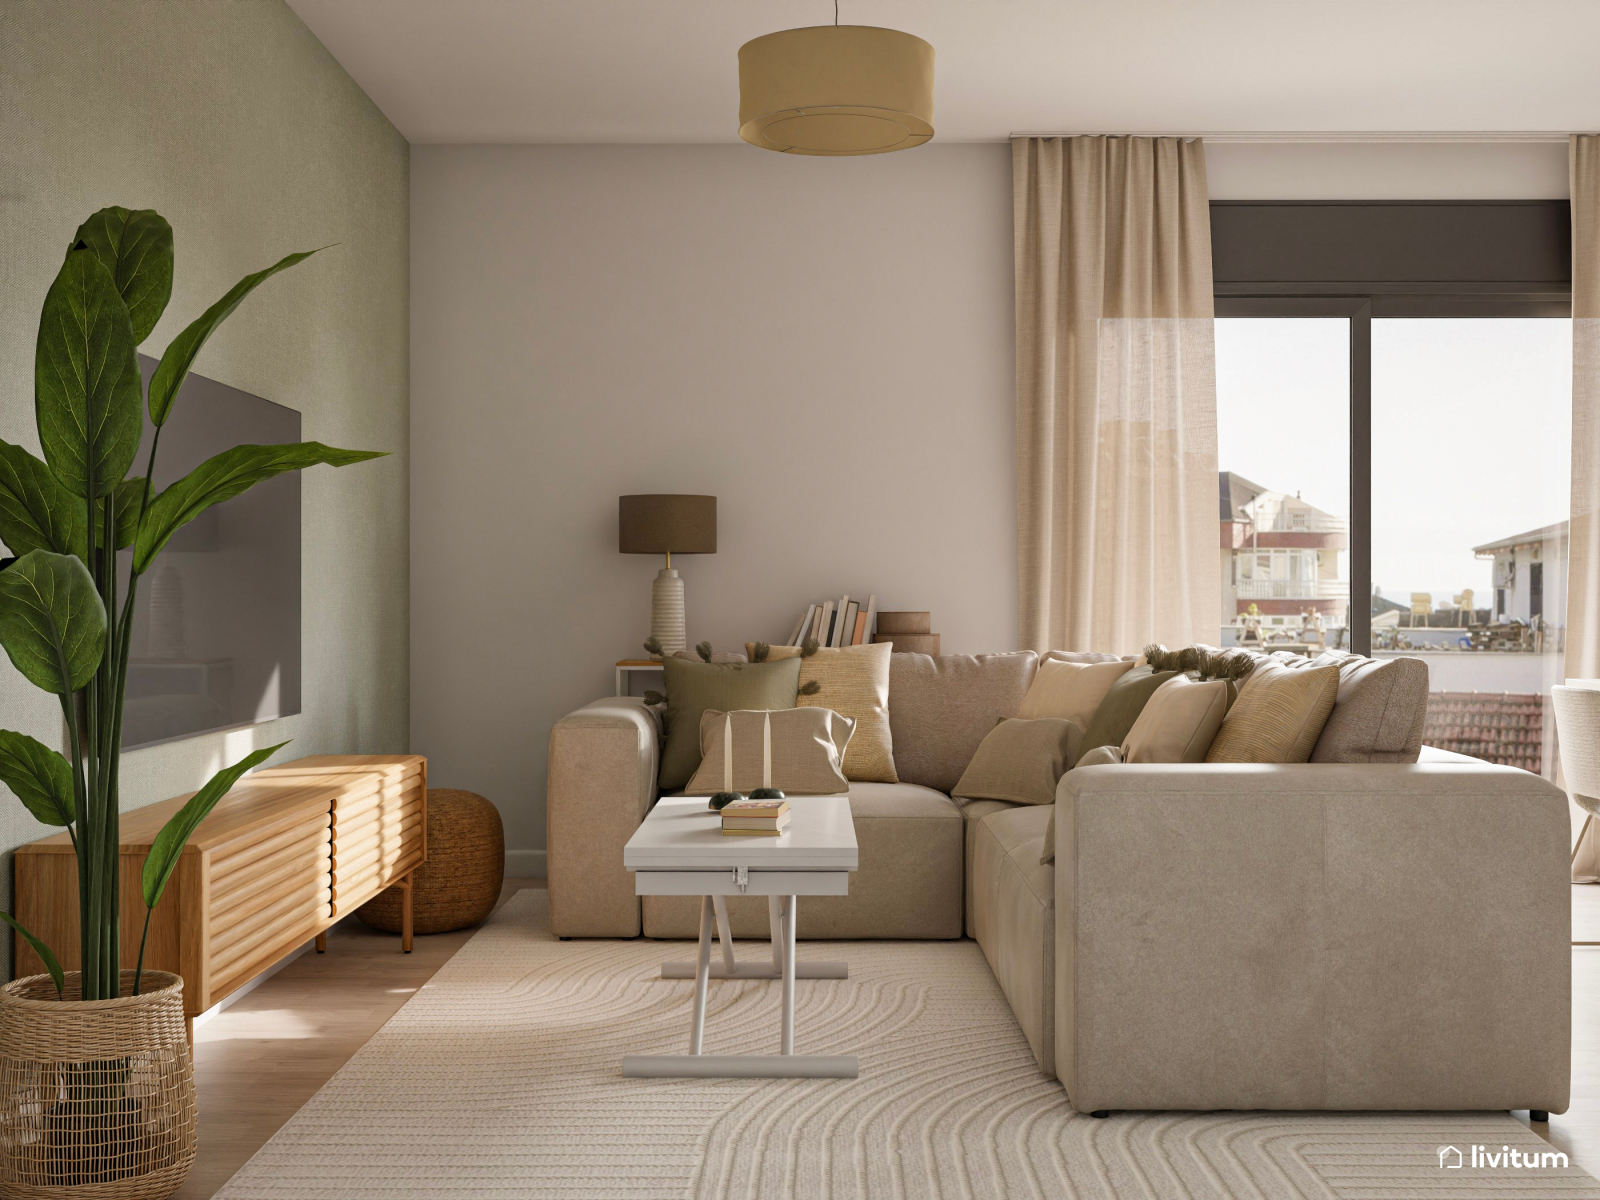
(1500, 727)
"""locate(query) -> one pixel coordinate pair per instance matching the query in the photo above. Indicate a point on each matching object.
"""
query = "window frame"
(1357, 260)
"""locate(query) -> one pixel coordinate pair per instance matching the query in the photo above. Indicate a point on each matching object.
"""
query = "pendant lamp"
(836, 89)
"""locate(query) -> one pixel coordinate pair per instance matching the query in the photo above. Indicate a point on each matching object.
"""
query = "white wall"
(1386, 171)
(825, 345)
(235, 124)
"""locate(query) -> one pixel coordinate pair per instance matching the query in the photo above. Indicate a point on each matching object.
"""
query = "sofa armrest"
(1316, 936)
(601, 783)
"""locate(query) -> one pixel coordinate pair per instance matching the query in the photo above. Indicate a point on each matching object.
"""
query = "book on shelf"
(841, 622)
(798, 635)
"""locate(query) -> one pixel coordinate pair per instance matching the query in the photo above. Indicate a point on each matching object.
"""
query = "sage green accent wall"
(231, 120)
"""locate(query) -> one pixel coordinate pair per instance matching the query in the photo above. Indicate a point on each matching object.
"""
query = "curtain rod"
(1524, 137)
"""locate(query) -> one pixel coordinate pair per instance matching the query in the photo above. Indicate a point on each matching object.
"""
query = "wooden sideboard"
(288, 852)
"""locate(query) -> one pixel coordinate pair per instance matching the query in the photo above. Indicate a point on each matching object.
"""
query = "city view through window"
(1471, 428)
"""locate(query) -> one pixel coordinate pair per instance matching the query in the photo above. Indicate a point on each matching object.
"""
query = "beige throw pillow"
(797, 750)
(1279, 715)
(1021, 761)
(1178, 722)
(854, 682)
(1070, 691)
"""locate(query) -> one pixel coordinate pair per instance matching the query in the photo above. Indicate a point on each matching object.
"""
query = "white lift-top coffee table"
(680, 850)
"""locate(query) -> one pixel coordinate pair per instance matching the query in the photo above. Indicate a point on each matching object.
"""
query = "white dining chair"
(1578, 736)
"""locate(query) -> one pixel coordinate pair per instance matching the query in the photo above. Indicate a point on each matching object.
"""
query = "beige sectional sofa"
(1376, 935)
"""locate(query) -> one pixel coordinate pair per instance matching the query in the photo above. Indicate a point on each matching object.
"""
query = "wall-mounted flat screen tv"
(216, 625)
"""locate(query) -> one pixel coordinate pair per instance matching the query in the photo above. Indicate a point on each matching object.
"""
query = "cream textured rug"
(502, 1078)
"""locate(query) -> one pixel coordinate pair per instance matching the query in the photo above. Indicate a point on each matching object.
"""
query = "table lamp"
(667, 525)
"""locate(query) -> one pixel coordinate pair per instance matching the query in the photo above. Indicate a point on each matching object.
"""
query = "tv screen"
(216, 625)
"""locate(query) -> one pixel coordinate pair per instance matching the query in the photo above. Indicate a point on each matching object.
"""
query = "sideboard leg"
(405, 914)
(188, 1031)
(322, 942)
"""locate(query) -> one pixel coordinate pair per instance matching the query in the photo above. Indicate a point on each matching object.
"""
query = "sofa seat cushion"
(1014, 911)
(908, 884)
(974, 811)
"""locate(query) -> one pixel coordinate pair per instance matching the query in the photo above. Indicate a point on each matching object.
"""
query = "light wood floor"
(260, 1060)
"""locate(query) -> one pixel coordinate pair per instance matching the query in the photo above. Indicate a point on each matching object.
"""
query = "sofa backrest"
(941, 708)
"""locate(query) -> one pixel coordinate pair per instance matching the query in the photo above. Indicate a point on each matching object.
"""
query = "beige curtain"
(1583, 565)
(1116, 394)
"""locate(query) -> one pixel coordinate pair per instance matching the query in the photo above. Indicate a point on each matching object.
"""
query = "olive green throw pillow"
(693, 687)
(1121, 707)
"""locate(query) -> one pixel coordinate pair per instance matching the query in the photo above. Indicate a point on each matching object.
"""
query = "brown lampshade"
(667, 524)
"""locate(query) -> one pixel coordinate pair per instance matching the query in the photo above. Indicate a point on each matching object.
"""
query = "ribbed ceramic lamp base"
(666, 611)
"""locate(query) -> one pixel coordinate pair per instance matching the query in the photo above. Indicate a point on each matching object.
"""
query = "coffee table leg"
(775, 920)
(724, 933)
(788, 973)
(701, 976)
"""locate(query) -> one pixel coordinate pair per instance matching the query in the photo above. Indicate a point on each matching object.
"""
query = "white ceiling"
(476, 71)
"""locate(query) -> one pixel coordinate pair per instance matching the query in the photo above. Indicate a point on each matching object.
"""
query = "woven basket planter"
(97, 1096)
(460, 883)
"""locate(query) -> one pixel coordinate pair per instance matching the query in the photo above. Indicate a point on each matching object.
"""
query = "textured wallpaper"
(232, 121)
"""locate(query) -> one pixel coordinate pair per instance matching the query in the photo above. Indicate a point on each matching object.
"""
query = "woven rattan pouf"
(460, 883)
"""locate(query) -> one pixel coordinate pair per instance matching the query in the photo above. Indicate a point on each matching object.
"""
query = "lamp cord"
(835, 14)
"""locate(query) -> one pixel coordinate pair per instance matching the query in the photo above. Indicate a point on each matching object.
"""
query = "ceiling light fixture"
(836, 90)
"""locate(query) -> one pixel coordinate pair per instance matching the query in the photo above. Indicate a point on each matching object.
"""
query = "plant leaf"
(168, 846)
(135, 246)
(86, 378)
(43, 951)
(225, 476)
(41, 778)
(174, 366)
(52, 622)
(129, 493)
(36, 512)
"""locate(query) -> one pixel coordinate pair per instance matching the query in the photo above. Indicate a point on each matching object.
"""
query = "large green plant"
(62, 621)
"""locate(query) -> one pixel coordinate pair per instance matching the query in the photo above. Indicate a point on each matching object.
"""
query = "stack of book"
(841, 622)
(755, 818)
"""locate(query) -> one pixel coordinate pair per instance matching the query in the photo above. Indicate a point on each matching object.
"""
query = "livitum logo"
(1508, 1157)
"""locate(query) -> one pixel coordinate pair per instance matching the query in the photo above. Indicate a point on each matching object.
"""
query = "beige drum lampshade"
(836, 89)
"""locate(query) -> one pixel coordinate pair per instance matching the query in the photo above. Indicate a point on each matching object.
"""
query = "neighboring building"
(1281, 555)
(1529, 577)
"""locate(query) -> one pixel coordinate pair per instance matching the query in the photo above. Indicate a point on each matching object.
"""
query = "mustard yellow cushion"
(1279, 715)
(853, 682)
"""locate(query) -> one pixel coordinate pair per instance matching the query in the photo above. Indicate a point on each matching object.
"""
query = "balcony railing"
(1293, 589)
(1283, 521)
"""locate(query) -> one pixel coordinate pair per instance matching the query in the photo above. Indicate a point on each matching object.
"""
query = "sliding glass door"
(1471, 462)
(1399, 485)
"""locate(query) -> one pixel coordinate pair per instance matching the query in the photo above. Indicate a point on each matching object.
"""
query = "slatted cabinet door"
(379, 819)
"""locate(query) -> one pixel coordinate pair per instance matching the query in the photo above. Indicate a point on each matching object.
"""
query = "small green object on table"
(721, 800)
(767, 793)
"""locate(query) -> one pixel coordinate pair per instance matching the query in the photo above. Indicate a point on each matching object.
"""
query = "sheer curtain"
(1583, 566)
(1116, 394)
